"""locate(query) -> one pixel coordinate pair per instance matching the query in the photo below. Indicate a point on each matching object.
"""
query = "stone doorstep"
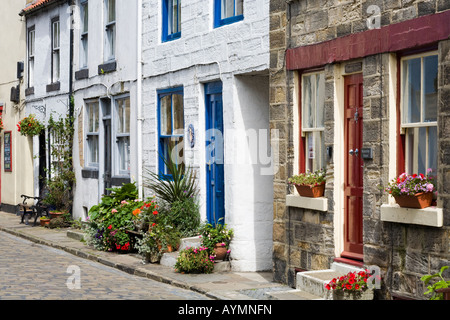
(313, 282)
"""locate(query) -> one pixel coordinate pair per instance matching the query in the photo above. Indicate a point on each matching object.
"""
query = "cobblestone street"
(30, 271)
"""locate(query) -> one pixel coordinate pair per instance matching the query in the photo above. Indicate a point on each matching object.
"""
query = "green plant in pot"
(309, 184)
(217, 239)
(436, 285)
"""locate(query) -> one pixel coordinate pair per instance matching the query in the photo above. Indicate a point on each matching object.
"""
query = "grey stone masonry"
(307, 239)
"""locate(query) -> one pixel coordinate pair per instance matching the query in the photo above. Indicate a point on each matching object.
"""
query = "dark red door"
(353, 186)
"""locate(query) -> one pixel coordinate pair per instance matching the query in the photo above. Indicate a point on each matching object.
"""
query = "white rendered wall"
(88, 191)
(238, 55)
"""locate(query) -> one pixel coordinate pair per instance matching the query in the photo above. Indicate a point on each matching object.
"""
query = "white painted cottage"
(205, 95)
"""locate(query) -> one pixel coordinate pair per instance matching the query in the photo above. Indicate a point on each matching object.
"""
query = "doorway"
(215, 185)
(353, 167)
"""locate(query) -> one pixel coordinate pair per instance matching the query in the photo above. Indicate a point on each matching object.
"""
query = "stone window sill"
(319, 204)
(431, 216)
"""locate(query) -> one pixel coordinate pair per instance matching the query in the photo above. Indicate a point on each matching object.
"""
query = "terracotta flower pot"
(418, 201)
(220, 251)
(311, 191)
(44, 221)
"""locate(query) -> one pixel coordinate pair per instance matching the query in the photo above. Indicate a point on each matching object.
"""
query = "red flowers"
(353, 281)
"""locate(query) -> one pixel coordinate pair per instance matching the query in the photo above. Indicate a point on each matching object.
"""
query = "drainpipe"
(139, 97)
(71, 4)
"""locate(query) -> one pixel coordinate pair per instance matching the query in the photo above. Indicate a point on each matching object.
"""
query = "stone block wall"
(304, 239)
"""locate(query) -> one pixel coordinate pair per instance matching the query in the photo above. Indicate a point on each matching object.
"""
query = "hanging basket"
(418, 201)
(311, 191)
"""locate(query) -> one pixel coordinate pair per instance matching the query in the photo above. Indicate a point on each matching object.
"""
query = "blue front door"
(215, 190)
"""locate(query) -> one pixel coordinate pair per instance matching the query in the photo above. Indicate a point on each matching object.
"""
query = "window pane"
(111, 10)
(227, 9)
(55, 66)
(175, 16)
(432, 149)
(55, 34)
(239, 7)
(430, 69)
(93, 149)
(31, 43)
(123, 112)
(421, 150)
(178, 117)
(124, 153)
(166, 115)
(411, 90)
(320, 99)
(314, 151)
(85, 17)
(174, 146)
(307, 97)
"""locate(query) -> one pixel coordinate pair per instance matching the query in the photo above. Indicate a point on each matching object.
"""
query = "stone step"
(193, 242)
(313, 282)
(294, 294)
(75, 234)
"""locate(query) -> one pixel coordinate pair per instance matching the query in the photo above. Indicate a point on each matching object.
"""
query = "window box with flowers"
(30, 126)
(310, 187)
(415, 198)
(352, 286)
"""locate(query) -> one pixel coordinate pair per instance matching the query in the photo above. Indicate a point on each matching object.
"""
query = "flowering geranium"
(353, 281)
(411, 184)
(30, 126)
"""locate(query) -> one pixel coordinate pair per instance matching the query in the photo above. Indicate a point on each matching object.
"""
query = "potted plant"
(217, 239)
(30, 126)
(147, 247)
(413, 191)
(352, 286)
(44, 221)
(195, 260)
(439, 290)
(310, 184)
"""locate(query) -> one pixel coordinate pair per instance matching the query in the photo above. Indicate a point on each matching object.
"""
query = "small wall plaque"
(367, 153)
(191, 135)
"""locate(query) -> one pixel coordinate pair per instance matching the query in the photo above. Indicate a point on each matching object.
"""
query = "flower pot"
(220, 251)
(353, 295)
(56, 214)
(419, 200)
(44, 221)
(311, 191)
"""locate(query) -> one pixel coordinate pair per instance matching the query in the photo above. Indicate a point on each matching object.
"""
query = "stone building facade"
(364, 51)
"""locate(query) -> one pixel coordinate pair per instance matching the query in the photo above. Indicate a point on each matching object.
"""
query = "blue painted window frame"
(166, 20)
(162, 137)
(218, 21)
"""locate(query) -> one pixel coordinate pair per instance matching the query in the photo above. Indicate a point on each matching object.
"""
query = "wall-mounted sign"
(7, 152)
(191, 135)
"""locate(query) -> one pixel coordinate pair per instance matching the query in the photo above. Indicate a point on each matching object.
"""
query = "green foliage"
(62, 176)
(211, 235)
(194, 260)
(127, 192)
(30, 126)
(185, 216)
(180, 186)
(309, 178)
(432, 286)
(113, 217)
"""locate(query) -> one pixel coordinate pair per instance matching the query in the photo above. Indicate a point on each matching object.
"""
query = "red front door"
(353, 186)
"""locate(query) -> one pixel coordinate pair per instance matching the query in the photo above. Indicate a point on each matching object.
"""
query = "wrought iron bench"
(27, 211)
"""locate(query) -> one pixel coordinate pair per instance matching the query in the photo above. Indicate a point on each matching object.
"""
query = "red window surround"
(410, 34)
